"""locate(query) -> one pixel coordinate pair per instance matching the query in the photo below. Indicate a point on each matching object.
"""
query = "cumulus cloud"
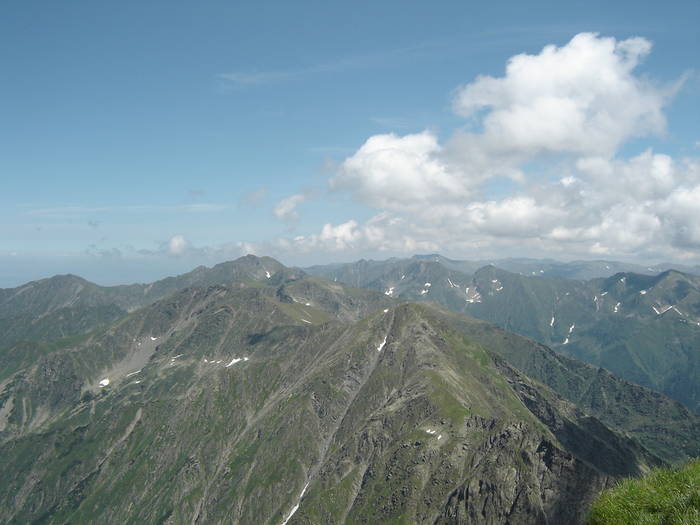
(577, 103)
(400, 173)
(580, 98)
(286, 208)
(177, 245)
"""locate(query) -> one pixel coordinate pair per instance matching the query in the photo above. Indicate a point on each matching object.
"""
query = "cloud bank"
(549, 131)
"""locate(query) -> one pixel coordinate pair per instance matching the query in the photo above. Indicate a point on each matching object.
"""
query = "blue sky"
(140, 139)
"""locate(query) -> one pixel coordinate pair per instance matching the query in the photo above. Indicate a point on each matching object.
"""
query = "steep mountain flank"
(225, 404)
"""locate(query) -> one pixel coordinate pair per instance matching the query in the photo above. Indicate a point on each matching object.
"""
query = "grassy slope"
(665, 496)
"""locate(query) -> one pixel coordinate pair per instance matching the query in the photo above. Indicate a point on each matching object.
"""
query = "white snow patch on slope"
(551, 323)
(389, 291)
(267, 274)
(133, 373)
(474, 297)
(296, 507)
(566, 341)
(643, 292)
(154, 338)
(617, 308)
(386, 310)
(307, 321)
(234, 361)
(663, 310)
(571, 328)
(379, 348)
(104, 382)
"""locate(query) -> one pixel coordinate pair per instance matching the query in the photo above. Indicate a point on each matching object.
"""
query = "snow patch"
(309, 322)
(440, 437)
(571, 328)
(154, 338)
(389, 291)
(296, 507)
(566, 341)
(604, 294)
(386, 310)
(133, 373)
(617, 308)
(663, 310)
(427, 285)
(551, 323)
(643, 292)
(473, 297)
(379, 348)
(267, 274)
(104, 382)
(234, 361)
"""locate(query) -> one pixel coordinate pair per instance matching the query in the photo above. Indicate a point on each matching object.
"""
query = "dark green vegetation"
(248, 382)
(663, 497)
(644, 328)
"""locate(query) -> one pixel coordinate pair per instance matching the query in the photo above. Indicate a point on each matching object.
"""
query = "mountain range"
(254, 393)
(644, 328)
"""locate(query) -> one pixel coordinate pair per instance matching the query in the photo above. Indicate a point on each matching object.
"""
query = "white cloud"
(177, 245)
(580, 98)
(579, 102)
(400, 173)
(286, 208)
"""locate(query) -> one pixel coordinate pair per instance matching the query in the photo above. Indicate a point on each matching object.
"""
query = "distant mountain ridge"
(645, 328)
(66, 305)
(580, 270)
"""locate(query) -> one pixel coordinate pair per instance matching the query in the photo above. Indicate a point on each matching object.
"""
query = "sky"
(142, 139)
